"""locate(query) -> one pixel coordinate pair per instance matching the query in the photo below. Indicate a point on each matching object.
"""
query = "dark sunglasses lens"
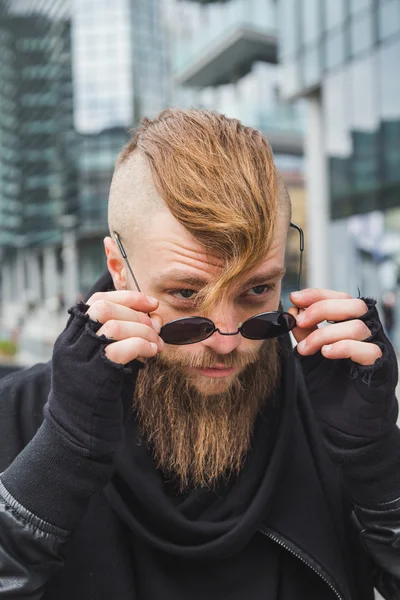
(187, 331)
(268, 325)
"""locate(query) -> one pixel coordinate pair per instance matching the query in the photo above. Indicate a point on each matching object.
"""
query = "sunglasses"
(190, 330)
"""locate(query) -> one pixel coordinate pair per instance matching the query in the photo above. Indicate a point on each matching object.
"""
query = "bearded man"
(177, 447)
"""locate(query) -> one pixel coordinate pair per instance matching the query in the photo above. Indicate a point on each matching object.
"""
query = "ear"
(115, 264)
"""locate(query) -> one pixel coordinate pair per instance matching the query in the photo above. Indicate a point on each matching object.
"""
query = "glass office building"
(120, 75)
(38, 175)
(343, 56)
(75, 77)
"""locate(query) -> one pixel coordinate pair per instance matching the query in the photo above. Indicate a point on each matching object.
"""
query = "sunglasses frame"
(215, 329)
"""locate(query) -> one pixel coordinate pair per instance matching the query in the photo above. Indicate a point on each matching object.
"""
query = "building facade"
(343, 57)
(75, 77)
(38, 172)
(120, 76)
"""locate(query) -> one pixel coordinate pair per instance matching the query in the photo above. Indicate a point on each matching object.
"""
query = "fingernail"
(161, 342)
(154, 347)
(152, 300)
(327, 348)
(300, 318)
(297, 294)
(302, 345)
(156, 325)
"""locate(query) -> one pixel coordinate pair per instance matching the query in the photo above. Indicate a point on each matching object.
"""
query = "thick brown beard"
(198, 439)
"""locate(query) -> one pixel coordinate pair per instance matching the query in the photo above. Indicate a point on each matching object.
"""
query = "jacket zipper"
(284, 545)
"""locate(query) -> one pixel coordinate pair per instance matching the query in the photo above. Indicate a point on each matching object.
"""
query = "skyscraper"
(37, 141)
(343, 57)
(75, 77)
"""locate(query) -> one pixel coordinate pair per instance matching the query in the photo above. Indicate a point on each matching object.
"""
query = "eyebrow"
(186, 278)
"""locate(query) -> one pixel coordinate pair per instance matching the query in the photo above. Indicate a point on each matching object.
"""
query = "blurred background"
(320, 78)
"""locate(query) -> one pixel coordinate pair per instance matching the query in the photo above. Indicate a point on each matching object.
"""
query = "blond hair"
(218, 179)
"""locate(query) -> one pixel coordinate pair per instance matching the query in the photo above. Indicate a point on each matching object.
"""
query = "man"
(220, 464)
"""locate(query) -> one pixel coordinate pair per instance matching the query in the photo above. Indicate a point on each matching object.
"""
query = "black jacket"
(336, 517)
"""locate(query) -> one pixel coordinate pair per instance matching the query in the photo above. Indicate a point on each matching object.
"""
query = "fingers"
(336, 341)
(306, 297)
(299, 334)
(334, 309)
(104, 310)
(363, 353)
(136, 300)
(126, 350)
(124, 319)
(351, 330)
(122, 330)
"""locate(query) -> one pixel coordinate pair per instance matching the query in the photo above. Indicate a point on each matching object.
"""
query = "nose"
(223, 344)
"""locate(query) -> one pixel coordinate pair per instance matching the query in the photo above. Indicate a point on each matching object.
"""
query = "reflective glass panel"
(311, 66)
(334, 48)
(334, 13)
(364, 126)
(358, 5)
(311, 21)
(389, 94)
(388, 18)
(288, 26)
(361, 32)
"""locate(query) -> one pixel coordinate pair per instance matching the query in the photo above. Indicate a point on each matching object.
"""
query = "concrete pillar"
(317, 196)
(20, 280)
(33, 272)
(7, 293)
(50, 273)
(70, 261)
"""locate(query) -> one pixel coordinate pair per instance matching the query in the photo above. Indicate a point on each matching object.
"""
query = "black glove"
(357, 409)
(84, 405)
(354, 399)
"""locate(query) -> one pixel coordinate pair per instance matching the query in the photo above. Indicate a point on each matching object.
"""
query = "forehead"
(170, 247)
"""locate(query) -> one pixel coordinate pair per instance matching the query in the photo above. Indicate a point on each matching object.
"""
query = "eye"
(184, 294)
(259, 290)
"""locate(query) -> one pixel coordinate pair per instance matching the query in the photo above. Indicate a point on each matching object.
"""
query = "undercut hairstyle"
(218, 179)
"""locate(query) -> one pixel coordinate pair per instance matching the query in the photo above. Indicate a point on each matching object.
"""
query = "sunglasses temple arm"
(124, 256)
(301, 234)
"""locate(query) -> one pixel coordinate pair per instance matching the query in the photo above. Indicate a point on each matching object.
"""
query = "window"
(389, 94)
(388, 18)
(311, 66)
(311, 21)
(361, 33)
(358, 5)
(334, 48)
(334, 14)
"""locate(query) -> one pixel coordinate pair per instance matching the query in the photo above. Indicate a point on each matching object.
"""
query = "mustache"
(208, 359)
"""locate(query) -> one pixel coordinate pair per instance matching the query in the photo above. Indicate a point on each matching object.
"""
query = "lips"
(216, 371)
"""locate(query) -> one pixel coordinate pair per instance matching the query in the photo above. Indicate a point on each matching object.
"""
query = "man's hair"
(218, 179)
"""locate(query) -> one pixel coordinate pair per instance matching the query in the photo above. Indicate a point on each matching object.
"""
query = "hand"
(90, 371)
(124, 318)
(338, 340)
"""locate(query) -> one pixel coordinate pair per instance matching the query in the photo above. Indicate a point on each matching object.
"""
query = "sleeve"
(357, 409)
(45, 488)
(31, 550)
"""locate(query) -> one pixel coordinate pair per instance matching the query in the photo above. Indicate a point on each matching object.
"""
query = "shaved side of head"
(133, 199)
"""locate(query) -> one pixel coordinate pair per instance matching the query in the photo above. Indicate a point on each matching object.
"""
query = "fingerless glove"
(71, 456)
